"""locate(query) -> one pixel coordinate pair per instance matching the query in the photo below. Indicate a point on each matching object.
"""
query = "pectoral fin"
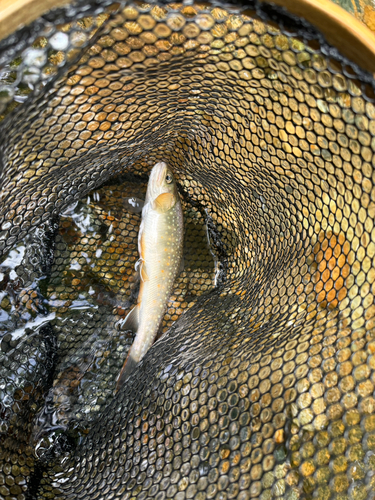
(164, 202)
(144, 275)
(141, 262)
(131, 321)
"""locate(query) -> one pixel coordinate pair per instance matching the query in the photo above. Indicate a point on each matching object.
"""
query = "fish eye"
(168, 178)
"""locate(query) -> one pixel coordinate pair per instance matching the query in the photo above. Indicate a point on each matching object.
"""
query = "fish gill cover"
(262, 385)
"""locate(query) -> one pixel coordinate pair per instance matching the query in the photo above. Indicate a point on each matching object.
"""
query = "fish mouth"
(159, 170)
(155, 182)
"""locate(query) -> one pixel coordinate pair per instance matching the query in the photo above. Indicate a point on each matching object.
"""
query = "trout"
(160, 246)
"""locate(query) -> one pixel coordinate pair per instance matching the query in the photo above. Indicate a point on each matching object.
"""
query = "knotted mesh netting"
(261, 384)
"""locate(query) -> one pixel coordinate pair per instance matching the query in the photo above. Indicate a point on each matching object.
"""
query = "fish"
(160, 247)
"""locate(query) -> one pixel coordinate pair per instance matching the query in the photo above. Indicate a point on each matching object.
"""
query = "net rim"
(15, 14)
(340, 28)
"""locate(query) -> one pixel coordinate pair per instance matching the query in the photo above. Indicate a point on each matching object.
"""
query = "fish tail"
(127, 368)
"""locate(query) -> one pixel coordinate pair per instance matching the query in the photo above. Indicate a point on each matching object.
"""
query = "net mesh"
(261, 384)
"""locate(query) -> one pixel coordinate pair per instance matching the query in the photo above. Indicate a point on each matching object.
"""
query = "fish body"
(160, 246)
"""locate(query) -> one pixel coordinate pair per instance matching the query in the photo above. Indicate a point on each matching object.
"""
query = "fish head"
(161, 181)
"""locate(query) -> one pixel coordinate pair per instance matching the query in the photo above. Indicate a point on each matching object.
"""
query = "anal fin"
(131, 321)
(127, 368)
(182, 265)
